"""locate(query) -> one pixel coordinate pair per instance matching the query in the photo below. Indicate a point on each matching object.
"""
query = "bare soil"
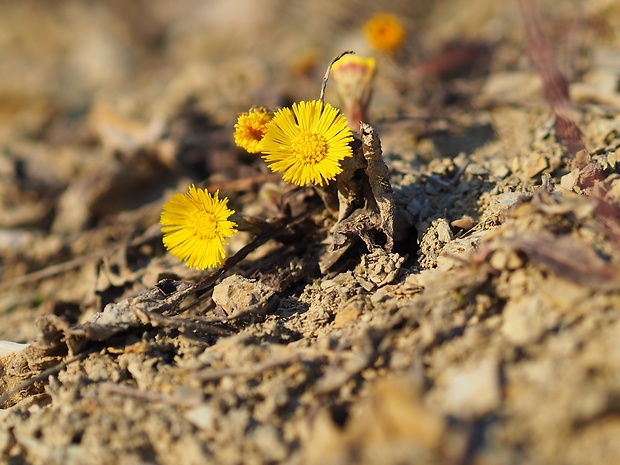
(490, 335)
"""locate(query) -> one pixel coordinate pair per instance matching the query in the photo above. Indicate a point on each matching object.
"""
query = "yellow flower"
(307, 143)
(384, 32)
(195, 227)
(354, 76)
(251, 127)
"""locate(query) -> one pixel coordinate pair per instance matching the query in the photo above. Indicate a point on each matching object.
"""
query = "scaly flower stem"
(326, 77)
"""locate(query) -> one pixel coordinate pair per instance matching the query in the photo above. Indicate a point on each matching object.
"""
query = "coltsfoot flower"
(307, 143)
(251, 127)
(354, 76)
(384, 32)
(195, 227)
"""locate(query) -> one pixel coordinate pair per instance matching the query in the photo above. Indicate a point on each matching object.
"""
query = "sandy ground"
(489, 335)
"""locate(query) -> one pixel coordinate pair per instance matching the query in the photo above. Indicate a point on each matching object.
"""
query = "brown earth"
(491, 335)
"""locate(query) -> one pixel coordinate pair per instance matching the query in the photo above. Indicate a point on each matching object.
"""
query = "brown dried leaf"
(365, 184)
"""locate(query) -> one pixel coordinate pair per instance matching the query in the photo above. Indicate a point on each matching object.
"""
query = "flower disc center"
(309, 147)
(256, 132)
(204, 225)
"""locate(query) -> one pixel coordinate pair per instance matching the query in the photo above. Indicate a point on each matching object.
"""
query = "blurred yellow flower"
(384, 32)
(195, 227)
(251, 127)
(307, 143)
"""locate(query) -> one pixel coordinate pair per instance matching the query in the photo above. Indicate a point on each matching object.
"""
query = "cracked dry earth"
(490, 335)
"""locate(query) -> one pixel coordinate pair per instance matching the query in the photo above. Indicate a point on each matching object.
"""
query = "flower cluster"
(306, 143)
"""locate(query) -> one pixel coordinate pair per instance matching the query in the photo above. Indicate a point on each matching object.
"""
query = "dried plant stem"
(326, 77)
(210, 374)
(379, 180)
(150, 396)
(555, 85)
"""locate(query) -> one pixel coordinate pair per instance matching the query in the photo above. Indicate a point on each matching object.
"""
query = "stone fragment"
(502, 171)
(201, 417)
(8, 347)
(474, 391)
(534, 164)
(349, 312)
(523, 322)
(394, 412)
(444, 233)
(505, 260)
(568, 181)
(465, 223)
(390, 425)
(238, 294)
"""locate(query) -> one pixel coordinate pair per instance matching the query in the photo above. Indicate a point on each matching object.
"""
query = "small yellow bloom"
(354, 76)
(251, 127)
(384, 32)
(307, 143)
(195, 227)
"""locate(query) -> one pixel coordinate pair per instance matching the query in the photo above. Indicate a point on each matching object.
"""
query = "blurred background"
(109, 107)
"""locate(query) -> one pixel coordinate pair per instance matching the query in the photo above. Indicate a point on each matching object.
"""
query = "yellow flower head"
(354, 76)
(384, 32)
(251, 127)
(307, 143)
(195, 227)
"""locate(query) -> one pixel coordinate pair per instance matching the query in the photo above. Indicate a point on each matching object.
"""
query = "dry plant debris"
(419, 266)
